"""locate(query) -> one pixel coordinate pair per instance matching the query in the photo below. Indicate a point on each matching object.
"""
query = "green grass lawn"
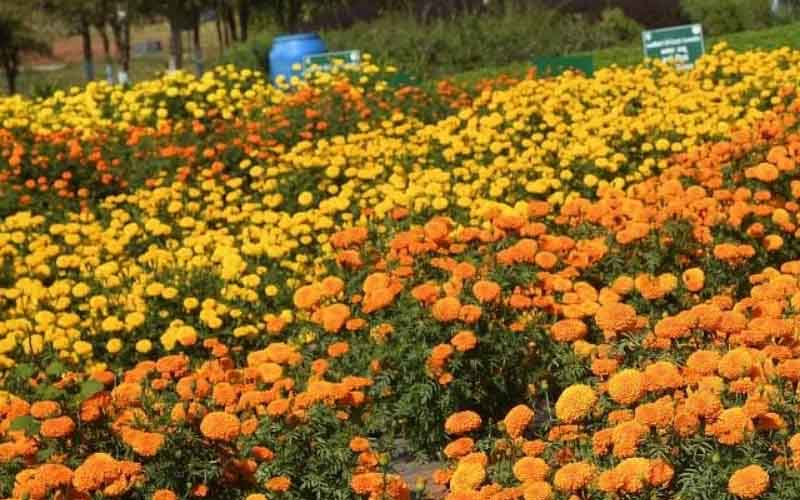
(772, 38)
(149, 66)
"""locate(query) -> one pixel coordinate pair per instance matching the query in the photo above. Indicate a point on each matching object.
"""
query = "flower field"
(564, 289)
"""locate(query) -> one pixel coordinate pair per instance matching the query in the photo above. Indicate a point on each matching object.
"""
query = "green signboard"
(547, 66)
(327, 60)
(680, 45)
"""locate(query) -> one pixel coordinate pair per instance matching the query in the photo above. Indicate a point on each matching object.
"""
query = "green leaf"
(25, 423)
(55, 369)
(89, 388)
(25, 370)
(44, 454)
(48, 392)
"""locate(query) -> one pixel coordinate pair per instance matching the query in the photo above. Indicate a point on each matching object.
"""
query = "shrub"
(615, 26)
(729, 16)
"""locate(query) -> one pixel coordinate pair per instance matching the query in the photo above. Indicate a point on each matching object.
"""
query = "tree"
(100, 21)
(15, 38)
(119, 18)
(78, 16)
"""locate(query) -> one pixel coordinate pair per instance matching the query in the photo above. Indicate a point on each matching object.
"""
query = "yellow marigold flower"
(749, 482)
(467, 476)
(575, 403)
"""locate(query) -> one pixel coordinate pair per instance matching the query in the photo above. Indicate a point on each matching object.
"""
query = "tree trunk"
(86, 38)
(230, 20)
(101, 28)
(198, 49)
(121, 28)
(218, 22)
(175, 45)
(293, 17)
(244, 19)
(11, 68)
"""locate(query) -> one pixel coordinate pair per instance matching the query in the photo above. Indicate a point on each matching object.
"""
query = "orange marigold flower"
(528, 469)
(100, 472)
(446, 309)
(661, 473)
(486, 291)
(731, 426)
(537, 490)
(469, 313)
(40, 483)
(749, 482)
(279, 483)
(626, 387)
(333, 317)
(615, 317)
(534, 448)
(464, 341)
(338, 349)
(736, 363)
(568, 330)
(45, 409)
(462, 422)
(359, 444)
(143, 443)
(57, 427)
(703, 362)
(517, 420)
(626, 437)
(307, 296)
(459, 447)
(165, 495)
(662, 375)
(694, 279)
(426, 293)
(573, 477)
(575, 403)
(220, 426)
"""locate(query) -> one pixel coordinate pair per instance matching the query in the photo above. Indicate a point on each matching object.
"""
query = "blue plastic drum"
(289, 50)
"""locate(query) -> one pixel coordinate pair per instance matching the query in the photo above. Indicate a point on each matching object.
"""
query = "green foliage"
(447, 46)
(729, 16)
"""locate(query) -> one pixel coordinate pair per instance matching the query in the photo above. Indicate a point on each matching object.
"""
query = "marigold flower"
(749, 482)
(615, 317)
(279, 483)
(462, 422)
(446, 309)
(574, 476)
(735, 363)
(626, 387)
(568, 330)
(537, 490)
(464, 341)
(486, 291)
(529, 469)
(220, 426)
(164, 495)
(467, 476)
(694, 279)
(575, 403)
(459, 447)
(57, 427)
(731, 426)
(517, 419)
